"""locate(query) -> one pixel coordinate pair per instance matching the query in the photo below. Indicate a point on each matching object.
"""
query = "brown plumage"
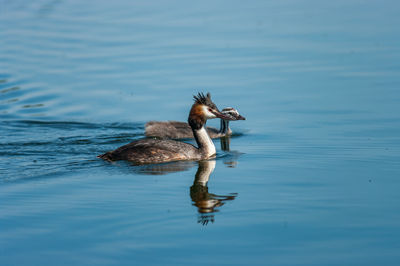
(181, 130)
(146, 151)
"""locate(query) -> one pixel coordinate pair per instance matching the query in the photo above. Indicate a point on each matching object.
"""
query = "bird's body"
(147, 151)
(153, 151)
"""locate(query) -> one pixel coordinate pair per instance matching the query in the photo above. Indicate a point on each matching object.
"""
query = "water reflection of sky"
(314, 166)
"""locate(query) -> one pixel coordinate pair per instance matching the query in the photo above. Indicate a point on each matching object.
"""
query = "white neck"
(224, 129)
(204, 142)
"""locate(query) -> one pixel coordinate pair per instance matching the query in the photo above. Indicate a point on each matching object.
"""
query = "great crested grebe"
(146, 151)
(182, 130)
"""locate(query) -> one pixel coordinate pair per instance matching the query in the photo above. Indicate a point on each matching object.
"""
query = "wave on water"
(31, 148)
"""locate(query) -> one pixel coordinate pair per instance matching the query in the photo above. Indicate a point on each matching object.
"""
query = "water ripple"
(38, 148)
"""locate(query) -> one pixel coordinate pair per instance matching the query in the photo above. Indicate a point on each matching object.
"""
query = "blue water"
(310, 178)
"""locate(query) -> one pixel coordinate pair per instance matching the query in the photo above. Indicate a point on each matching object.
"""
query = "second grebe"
(146, 151)
(182, 130)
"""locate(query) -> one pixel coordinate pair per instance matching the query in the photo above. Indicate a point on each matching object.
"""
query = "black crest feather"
(206, 100)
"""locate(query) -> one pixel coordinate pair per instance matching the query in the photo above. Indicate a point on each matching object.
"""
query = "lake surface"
(312, 177)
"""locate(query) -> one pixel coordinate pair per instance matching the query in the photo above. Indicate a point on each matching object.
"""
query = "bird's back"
(169, 130)
(153, 151)
(175, 130)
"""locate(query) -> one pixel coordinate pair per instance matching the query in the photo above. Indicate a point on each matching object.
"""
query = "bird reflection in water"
(206, 203)
(231, 157)
(164, 168)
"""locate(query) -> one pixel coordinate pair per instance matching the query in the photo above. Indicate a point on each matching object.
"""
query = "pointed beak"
(221, 115)
(241, 118)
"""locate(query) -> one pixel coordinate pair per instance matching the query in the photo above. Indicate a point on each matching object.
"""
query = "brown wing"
(152, 151)
(169, 129)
